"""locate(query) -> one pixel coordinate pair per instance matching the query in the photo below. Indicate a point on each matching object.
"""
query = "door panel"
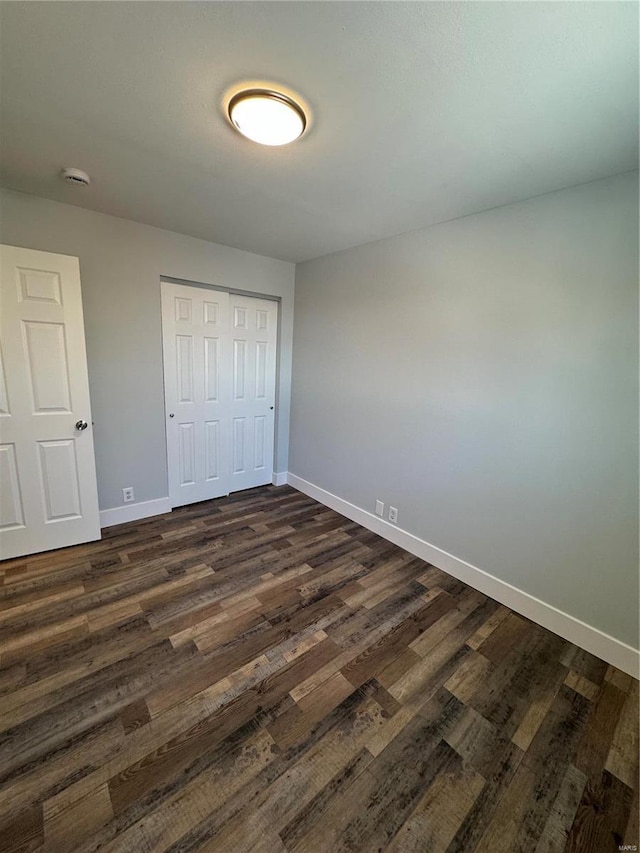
(46, 352)
(238, 445)
(197, 389)
(39, 285)
(239, 368)
(11, 515)
(220, 359)
(260, 450)
(59, 473)
(255, 334)
(212, 450)
(4, 399)
(187, 454)
(48, 494)
(211, 370)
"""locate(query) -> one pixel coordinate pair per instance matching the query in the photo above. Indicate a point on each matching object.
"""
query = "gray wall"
(121, 263)
(482, 376)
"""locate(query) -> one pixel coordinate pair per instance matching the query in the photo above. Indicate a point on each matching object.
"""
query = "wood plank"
(65, 828)
(503, 828)
(24, 831)
(537, 711)
(505, 637)
(598, 733)
(622, 760)
(582, 685)
(439, 814)
(180, 812)
(485, 630)
(562, 814)
(290, 727)
(601, 818)
(293, 780)
(334, 791)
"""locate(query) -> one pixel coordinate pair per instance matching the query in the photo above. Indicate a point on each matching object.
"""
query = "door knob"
(81, 425)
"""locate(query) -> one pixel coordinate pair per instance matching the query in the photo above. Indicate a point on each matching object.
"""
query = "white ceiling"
(421, 112)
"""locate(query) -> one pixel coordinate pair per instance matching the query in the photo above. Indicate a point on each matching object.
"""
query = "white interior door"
(254, 336)
(197, 391)
(220, 375)
(48, 493)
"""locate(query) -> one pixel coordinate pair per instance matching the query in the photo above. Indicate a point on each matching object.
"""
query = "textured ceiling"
(421, 112)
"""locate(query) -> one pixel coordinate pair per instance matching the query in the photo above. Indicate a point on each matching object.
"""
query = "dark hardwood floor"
(257, 673)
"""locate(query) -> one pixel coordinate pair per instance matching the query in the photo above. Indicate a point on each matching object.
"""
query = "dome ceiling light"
(267, 117)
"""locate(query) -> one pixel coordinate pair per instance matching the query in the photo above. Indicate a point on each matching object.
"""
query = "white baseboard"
(279, 478)
(133, 512)
(591, 639)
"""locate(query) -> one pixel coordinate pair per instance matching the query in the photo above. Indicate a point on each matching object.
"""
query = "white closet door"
(197, 391)
(254, 336)
(48, 493)
(220, 377)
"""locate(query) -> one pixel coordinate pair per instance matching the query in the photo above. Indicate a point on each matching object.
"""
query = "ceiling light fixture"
(267, 117)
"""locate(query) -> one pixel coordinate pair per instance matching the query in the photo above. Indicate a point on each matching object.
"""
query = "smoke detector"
(75, 176)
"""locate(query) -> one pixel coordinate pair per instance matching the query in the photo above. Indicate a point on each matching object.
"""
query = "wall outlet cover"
(393, 514)
(127, 495)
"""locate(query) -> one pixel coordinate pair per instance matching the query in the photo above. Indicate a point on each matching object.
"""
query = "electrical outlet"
(127, 495)
(379, 508)
(393, 514)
